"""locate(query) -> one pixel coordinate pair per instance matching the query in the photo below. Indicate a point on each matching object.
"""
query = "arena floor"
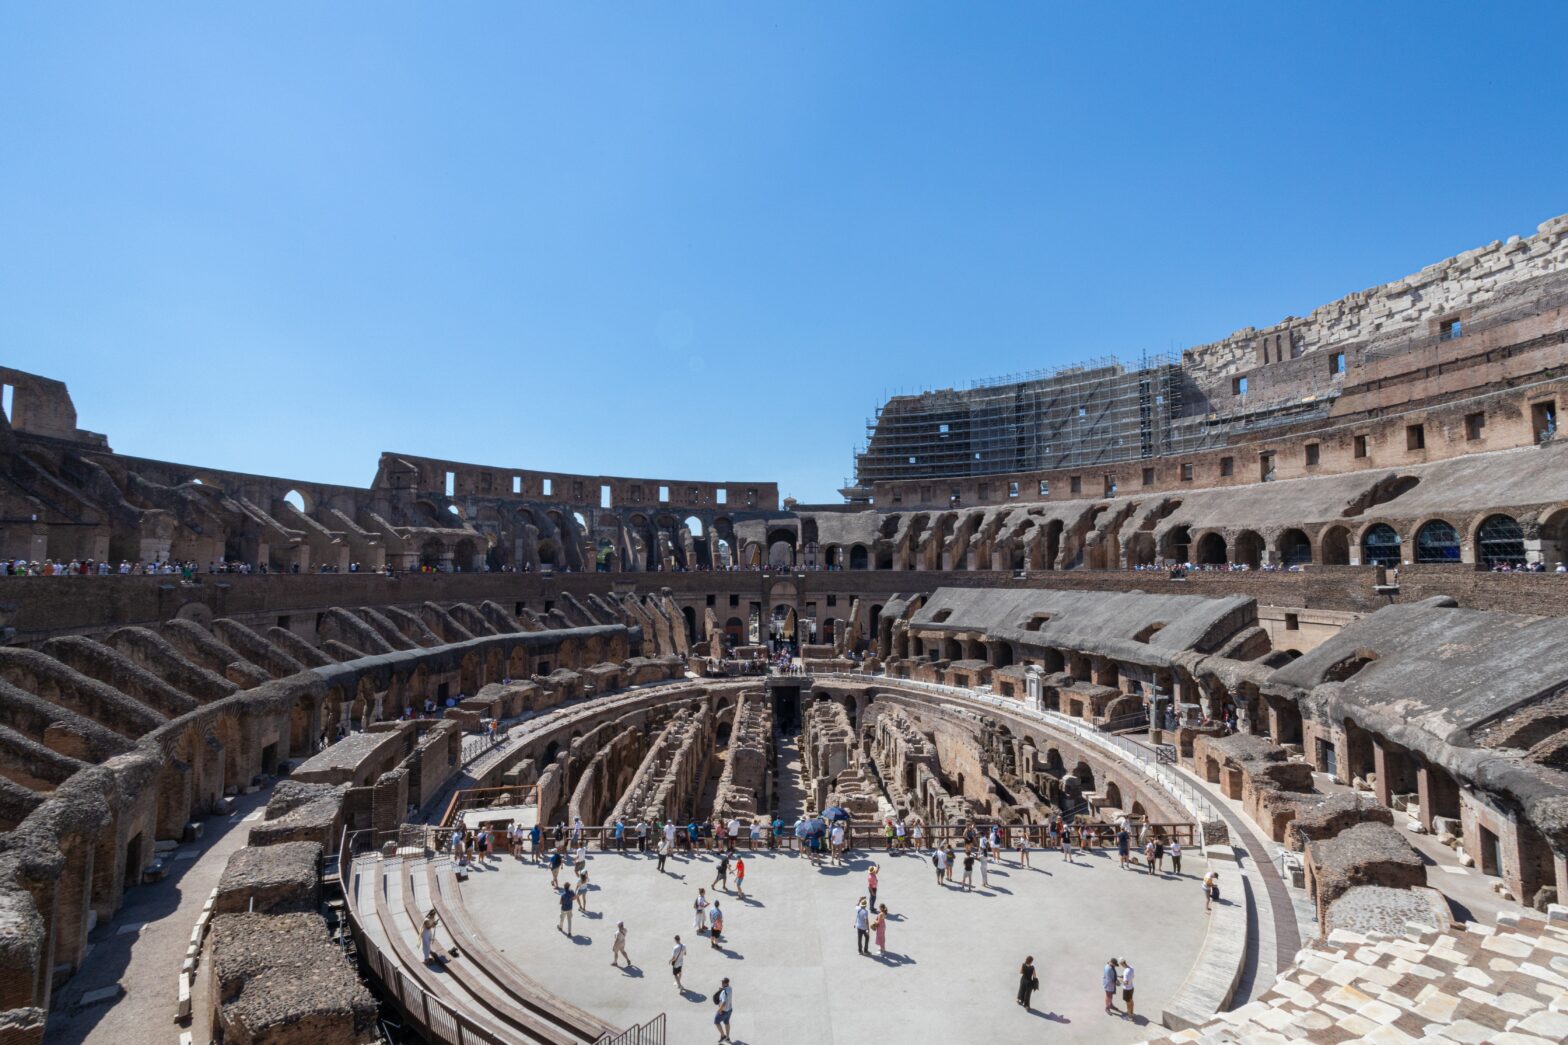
(789, 948)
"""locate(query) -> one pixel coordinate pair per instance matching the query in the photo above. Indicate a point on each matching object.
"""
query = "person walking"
(535, 837)
(1148, 855)
(715, 926)
(678, 962)
(879, 931)
(721, 877)
(427, 934)
(1028, 981)
(564, 922)
(582, 890)
(1159, 855)
(618, 948)
(699, 911)
(1108, 981)
(740, 877)
(939, 861)
(724, 1004)
(1176, 856)
(862, 927)
(664, 854)
(555, 868)
(1211, 890)
(1126, 981)
(871, 884)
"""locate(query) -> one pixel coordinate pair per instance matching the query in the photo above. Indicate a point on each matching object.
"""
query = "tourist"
(862, 927)
(618, 947)
(677, 963)
(985, 869)
(1023, 847)
(620, 835)
(1108, 981)
(535, 838)
(564, 922)
(669, 835)
(724, 1002)
(920, 837)
(722, 875)
(582, 890)
(939, 861)
(1176, 855)
(427, 935)
(664, 854)
(969, 868)
(1028, 981)
(1124, 848)
(871, 883)
(1148, 855)
(1159, 854)
(949, 861)
(740, 877)
(755, 836)
(555, 868)
(733, 830)
(879, 931)
(898, 834)
(580, 860)
(1211, 889)
(715, 925)
(1125, 977)
(699, 909)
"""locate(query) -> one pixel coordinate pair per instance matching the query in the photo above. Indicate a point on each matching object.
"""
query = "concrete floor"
(951, 974)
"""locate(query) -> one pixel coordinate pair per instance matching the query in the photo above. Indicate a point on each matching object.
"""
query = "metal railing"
(650, 1033)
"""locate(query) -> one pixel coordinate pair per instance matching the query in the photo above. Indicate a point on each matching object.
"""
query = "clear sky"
(706, 241)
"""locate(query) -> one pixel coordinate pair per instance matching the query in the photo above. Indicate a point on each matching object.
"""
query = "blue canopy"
(835, 813)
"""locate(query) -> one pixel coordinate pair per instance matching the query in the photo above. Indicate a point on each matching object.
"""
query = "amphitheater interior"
(1293, 600)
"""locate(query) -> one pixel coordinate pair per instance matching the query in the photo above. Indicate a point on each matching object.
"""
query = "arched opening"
(463, 554)
(1140, 549)
(1211, 550)
(734, 632)
(1500, 541)
(1295, 549)
(1437, 542)
(1336, 546)
(781, 553)
(1380, 546)
(1178, 544)
(1085, 776)
(549, 551)
(694, 526)
(431, 552)
(1248, 549)
(1001, 654)
(691, 624)
(858, 557)
(1113, 794)
(1348, 666)
(723, 556)
(294, 498)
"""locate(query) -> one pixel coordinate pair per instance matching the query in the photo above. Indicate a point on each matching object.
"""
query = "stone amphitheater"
(1293, 601)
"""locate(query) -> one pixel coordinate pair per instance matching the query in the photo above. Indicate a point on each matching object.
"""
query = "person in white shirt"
(678, 962)
(1125, 977)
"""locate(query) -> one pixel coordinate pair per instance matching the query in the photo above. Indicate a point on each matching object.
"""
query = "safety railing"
(482, 797)
(650, 1033)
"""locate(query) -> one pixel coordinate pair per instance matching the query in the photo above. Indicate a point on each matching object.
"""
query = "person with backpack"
(1211, 890)
(724, 1003)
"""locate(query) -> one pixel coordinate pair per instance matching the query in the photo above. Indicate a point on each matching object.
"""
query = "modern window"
(1437, 541)
(1380, 546)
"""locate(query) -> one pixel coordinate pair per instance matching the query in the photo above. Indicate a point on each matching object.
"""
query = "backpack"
(936, 861)
(716, 995)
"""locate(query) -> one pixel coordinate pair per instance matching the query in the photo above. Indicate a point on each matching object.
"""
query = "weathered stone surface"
(272, 879)
(282, 981)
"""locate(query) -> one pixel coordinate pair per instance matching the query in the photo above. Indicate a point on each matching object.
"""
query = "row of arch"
(1498, 539)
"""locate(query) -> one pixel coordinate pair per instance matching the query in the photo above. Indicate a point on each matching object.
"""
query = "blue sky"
(705, 241)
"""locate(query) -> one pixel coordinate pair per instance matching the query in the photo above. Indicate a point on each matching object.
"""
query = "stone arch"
(1247, 549)
(1294, 548)
(1211, 549)
(1140, 549)
(1437, 541)
(1381, 545)
(858, 557)
(1113, 794)
(1499, 541)
(297, 500)
(549, 552)
(1334, 546)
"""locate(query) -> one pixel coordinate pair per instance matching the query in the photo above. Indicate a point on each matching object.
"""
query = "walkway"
(787, 783)
(140, 950)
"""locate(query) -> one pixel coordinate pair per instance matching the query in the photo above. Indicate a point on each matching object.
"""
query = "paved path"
(951, 974)
(142, 947)
(787, 785)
